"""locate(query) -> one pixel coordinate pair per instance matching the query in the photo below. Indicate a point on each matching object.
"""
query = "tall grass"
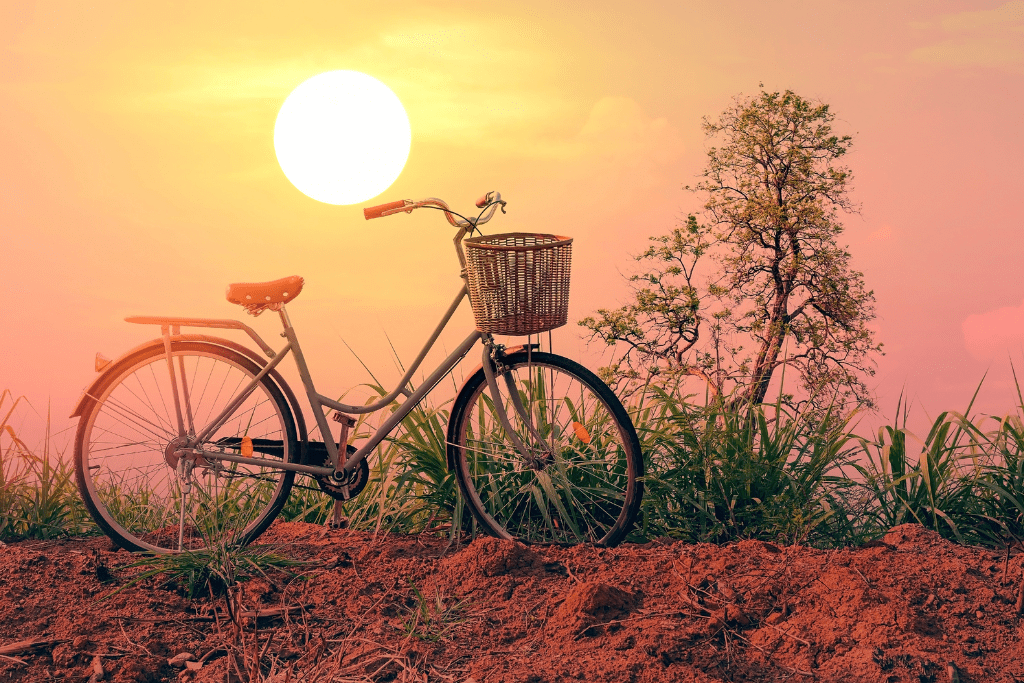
(717, 475)
(1000, 521)
(938, 488)
(38, 497)
(409, 489)
(713, 475)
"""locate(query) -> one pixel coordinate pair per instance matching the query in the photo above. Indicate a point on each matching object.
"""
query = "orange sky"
(138, 172)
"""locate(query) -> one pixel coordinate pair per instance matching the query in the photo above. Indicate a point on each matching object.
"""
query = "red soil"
(910, 608)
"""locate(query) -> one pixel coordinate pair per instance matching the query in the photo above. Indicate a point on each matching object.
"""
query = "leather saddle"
(260, 295)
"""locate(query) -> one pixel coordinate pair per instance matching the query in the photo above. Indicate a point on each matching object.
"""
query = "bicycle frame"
(317, 401)
(170, 327)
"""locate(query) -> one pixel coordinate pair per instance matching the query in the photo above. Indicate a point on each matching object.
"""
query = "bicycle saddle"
(263, 293)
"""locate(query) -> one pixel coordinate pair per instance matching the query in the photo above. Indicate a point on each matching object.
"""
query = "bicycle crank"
(350, 488)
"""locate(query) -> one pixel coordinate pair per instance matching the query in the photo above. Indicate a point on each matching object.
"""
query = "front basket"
(519, 282)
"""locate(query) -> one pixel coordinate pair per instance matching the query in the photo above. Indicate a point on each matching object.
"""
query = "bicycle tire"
(124, 473)
(584, 484)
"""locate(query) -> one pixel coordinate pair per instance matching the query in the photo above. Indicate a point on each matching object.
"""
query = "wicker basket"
(519, 282)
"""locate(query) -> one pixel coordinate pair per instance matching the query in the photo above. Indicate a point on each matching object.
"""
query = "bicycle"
(189, 440)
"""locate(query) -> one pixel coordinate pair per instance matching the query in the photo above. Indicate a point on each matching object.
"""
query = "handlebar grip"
(376, 211)
(482, 202)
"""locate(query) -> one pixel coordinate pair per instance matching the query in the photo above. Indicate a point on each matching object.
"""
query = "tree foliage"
(757, 282)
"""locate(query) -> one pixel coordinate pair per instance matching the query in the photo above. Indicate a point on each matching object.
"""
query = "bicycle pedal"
(344, 419)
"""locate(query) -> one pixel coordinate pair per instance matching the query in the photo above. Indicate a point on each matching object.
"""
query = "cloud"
(618, 125)
(619, 149)
(1008, 14)
(994, 334)
(989, 38)
(972, 52)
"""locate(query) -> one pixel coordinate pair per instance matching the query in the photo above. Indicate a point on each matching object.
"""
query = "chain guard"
(356, 482)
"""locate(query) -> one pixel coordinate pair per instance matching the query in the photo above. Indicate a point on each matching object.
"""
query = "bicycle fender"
(97, 384)
(522, 348)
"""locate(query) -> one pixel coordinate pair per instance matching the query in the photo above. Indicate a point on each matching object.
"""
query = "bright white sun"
(342, 137)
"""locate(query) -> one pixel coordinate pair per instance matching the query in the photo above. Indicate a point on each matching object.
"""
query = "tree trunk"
(764, 368)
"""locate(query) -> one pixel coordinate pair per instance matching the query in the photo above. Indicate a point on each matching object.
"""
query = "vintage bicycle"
(190, 440)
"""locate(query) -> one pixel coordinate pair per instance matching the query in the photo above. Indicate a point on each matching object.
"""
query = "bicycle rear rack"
(173, 325)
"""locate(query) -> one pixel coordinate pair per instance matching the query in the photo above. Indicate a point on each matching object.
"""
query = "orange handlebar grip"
(482, 202)
(376, 211)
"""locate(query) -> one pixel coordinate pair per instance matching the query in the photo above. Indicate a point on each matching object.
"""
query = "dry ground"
(415, 608)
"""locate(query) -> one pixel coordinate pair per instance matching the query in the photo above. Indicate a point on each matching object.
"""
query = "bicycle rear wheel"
(125, 462)
(580, 482)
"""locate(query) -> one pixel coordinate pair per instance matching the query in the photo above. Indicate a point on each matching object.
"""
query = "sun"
(342, 137)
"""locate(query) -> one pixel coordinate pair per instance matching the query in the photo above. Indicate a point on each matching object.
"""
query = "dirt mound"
(910, 607)
(590, 604)
(911, 536)
(494, 557)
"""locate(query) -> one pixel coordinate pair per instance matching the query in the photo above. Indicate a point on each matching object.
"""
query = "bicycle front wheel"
(128, 470)
(579, 480)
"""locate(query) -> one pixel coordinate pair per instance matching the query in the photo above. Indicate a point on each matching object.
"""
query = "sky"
(138, 173)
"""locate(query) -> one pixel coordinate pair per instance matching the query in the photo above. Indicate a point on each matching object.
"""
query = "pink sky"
(138, 172)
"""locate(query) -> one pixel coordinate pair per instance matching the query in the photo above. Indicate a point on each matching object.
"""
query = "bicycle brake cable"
(471, 223)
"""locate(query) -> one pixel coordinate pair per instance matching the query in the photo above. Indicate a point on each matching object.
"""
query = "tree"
(783, 292)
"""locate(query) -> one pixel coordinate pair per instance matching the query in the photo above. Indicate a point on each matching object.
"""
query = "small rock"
(63, 656)
(80, 642)
(496, 557)
(97, 670)
(181, 659)
(594, 603)
(627, 643)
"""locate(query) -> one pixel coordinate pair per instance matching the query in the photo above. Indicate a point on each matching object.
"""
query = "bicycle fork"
(493, 365)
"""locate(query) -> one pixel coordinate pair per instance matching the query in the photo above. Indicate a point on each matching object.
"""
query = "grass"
(38, 496)
(716, 475)
(431, 619)
(214, 569)
(713, 475)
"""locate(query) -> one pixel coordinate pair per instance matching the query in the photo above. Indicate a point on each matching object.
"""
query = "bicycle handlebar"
(491, 199)
(379, 210)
